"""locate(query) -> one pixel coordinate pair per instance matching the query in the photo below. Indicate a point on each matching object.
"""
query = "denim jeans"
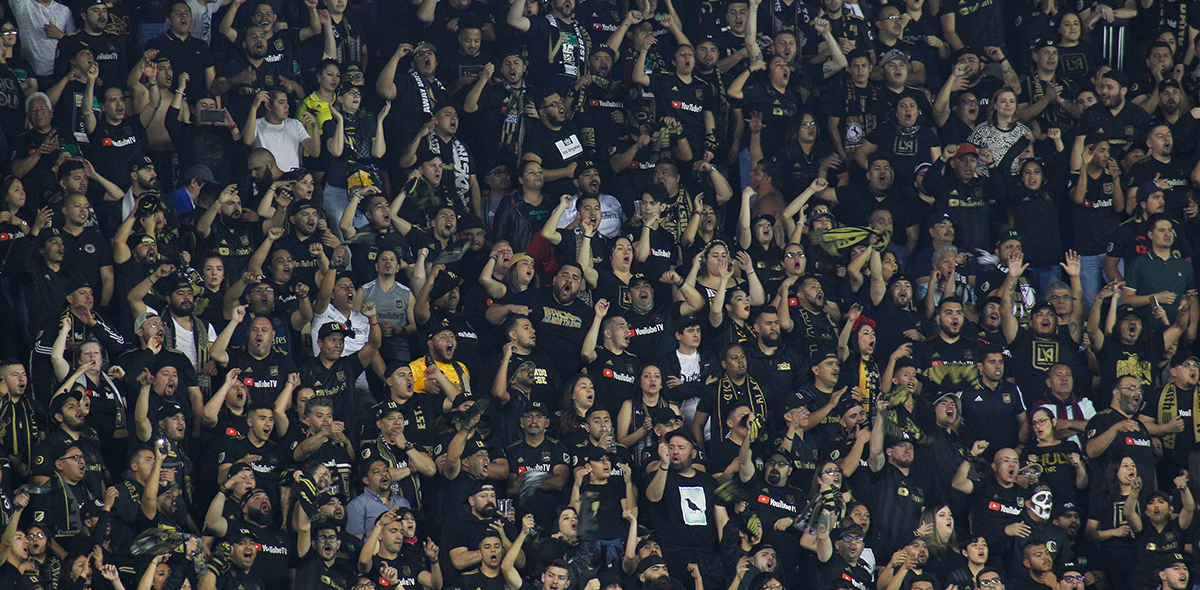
(1091, 275)
(336, 201)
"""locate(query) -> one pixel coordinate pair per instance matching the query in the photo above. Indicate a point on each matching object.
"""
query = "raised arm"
(516, 19)
(588, 354)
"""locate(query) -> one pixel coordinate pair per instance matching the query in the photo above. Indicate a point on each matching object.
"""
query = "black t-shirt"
(560, 327)
(558, 51)
(896, 503)
(685, 102)
(1130, 241)
(113, 147)
(359, 131)
(777, 109)
(779, 374)
(557, 149)
(265, 378)
(908, 146)
(1096, 219)
(1057, 471)
(189, 55)
(994, 507)
(950, 365)
(615, 377)
(1135, 444)
(1124, 130)
(653, 331)
(1177, 173)
(685, 516)
(12, 103)
(799, 166)
(991, 415)
(337, 382)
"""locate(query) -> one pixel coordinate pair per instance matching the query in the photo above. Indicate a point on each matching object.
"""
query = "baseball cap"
(1147, 188)
(445, 282)
(1181, 356)
(50, 233)
(140, 162)
(965, 149)
(199, 172)
(1011, 234)
(892, 55)
(763, 217)
(584, 166)
(168, 408)
(172, 283)
(334, 328)
(241, 532)
(384, 408)
(424, 46)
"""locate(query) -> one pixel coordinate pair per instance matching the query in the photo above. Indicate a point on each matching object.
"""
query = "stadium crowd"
(599, 294)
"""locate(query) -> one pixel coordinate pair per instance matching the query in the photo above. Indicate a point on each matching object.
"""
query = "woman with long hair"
(16, 223)
(108, 413)
(635, 427)
(856, 352)
(937, 527)
(1034, 198)
(1002, 134)
(807, 156)
(1106, 524)
(562, 538)
(578, 396)
(1061, 460)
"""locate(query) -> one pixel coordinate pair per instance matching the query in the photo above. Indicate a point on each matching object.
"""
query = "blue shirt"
(364, 510)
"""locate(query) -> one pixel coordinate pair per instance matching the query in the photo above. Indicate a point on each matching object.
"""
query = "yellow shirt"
(456, 377)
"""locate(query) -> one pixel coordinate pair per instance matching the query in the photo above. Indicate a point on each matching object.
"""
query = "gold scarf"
(1168, 408)
(727, 392)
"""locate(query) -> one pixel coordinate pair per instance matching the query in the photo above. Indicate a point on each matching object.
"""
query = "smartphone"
(1154, 300)
(212, 116)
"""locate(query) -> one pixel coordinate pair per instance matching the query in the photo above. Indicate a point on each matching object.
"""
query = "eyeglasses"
(1040, 422)
(1190, 364)
(808, 123)
(355, 75)
(994, 582)
(832, 472)
(1057, 298)
(776, 464)
(76, 457)
(553, 104)
(775, 586)
(9, 33)
(261, 290)
(1131, 389)
(893, 17)
(1072, 578)
(854, 539)
(365, 586)
(793, 255)
(37, 535)
(327, 538)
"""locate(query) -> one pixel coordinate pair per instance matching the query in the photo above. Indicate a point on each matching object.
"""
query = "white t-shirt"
(36, 47)
(689, 366)
(202, 19)
(187, 345)
(612, 216)
(358, 322)
(282, 140)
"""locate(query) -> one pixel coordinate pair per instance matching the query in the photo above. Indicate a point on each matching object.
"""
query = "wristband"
(408, 447)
